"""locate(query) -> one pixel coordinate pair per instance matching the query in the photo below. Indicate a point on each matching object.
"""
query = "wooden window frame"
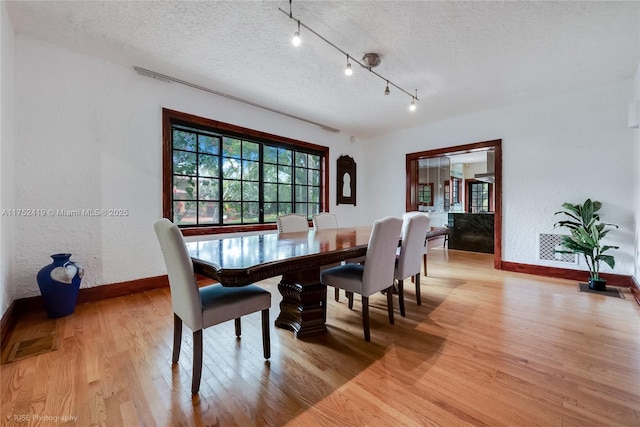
(171, 117)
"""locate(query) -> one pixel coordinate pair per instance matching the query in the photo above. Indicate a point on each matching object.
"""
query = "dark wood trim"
(412, 171)
(635, 289)
(171, 116)
(7, 324)
(565, 273)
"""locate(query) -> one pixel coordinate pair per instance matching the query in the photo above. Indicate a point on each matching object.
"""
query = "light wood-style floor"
(486, 348)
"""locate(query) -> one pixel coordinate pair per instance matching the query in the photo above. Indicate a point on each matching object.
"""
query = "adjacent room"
(414, 212)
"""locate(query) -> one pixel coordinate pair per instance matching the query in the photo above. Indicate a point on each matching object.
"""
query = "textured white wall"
(564, 148)
(7, 223)
(636, 184)
(89, 135)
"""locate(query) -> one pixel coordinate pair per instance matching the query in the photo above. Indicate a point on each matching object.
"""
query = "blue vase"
(59, 283)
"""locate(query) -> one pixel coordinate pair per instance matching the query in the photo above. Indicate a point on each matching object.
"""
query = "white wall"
(563, 148)
(89, 135)
(7, 223)
(636, 184)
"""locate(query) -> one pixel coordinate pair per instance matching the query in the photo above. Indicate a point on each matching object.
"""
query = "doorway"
(444, 196)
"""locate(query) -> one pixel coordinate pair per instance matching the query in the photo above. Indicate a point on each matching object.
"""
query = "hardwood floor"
(486, 348)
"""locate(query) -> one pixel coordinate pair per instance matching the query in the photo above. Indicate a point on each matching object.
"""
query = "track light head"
(296, 40)
(412, 106)
(348, 71)
(387, 91)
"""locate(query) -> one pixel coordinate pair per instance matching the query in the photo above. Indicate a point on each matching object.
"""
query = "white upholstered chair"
(407, 215)
(200, 308)
(327, 221)
(412, 249)
(377, 272)
(292, 223)
(324, 221)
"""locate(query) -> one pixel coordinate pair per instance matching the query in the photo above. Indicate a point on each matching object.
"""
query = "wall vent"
(548, 243)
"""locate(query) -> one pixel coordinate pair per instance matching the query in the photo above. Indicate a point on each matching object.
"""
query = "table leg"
(303, 308)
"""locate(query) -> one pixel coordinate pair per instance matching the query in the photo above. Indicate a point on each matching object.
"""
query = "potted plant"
(587, 232)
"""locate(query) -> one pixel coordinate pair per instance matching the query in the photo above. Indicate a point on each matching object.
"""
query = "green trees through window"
(219, 179)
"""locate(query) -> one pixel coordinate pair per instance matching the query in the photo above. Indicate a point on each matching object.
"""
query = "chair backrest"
(414, 240)
(292, 223)
(405, 221)
(185, 297)
(381, 255)
(324, 221)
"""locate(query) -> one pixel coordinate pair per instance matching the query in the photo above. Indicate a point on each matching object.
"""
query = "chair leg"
(390, 305)
(177, 337)
(401, 297)
(266, 334)
(418, 297)
(424, 261)
(350, 298)
(337, 294)
(197, 361)
(365, 317)
(238, 327)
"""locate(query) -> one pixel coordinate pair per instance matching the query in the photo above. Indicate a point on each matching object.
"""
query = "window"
(229, 178)
(425, 194)
(479, 196)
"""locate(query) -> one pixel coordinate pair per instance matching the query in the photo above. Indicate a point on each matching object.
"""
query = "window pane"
(231, 168)
(270, 192)
(208, 189)
(250, 191)
(250, 150)
(231, 147)
(184, 213)
(301, 194)
(250, 212)
(301, 176)
(301, 208)
(250, 170)
(184, 188)
(208, 165)
(301, 159)
(313, 209)
(270, 154)
(270, 212)
(232, 213)
(314, 195)
(208, 213)
(284, 174)
(284, 193)
(270, 173)
(314, 177)
(231, 190)
(184, 140)
(285, 157)
(208, 144)
(284, 208)
(314, 161)
(184, 163)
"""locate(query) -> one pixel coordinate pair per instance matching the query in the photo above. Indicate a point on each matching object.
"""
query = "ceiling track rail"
(169, 79)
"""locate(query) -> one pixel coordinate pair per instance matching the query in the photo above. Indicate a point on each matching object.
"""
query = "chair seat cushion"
(220, 303)
(347, 277)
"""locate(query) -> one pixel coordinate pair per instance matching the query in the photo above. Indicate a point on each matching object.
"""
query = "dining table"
(297, 257)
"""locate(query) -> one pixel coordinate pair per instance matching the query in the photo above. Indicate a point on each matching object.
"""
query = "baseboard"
(8, 322)
(635, 290)
(565, 273)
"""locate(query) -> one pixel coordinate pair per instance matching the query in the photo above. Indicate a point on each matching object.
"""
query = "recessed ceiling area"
(462, 56)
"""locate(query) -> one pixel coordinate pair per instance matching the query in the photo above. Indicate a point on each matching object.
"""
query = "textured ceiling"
(461, 56)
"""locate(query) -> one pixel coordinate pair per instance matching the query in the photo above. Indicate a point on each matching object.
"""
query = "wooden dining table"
(297, 257)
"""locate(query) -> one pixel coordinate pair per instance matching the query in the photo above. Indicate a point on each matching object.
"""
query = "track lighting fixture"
(370, 59)
(348, 71)
(296, 41)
